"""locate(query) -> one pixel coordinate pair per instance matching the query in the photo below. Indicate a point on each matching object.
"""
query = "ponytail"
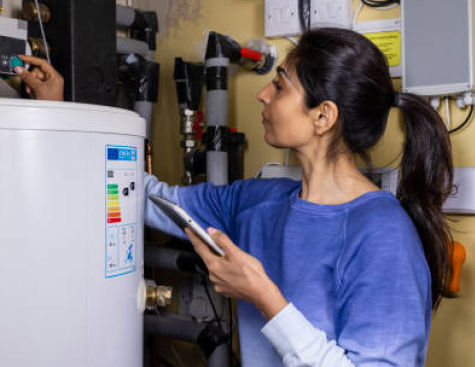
(345, 67)
(425, 182)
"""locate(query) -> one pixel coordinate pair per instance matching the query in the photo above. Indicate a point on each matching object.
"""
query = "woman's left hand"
(238, 274)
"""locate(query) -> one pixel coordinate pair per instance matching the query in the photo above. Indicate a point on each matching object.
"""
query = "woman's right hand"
(43, 82)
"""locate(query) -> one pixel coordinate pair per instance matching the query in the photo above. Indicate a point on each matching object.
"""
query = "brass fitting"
(30, 13)
(38, 47)
(157, 295)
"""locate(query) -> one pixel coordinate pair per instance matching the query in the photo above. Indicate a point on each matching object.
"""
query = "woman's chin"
(273, 142)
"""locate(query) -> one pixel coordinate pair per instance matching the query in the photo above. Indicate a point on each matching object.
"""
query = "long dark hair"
(344, 67)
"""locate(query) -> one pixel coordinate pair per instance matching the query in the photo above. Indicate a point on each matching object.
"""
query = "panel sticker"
(121, 209)
(389, 43)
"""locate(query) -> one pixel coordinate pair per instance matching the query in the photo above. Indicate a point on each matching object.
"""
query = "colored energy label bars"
(113, 204)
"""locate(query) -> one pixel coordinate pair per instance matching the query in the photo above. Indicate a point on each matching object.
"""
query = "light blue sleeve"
(153, 216)
(383, 308)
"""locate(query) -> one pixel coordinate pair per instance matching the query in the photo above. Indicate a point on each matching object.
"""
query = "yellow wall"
(183, 23)
(453, 330)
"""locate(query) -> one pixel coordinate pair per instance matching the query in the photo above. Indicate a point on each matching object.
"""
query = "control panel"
(121, 209)
(13, 42)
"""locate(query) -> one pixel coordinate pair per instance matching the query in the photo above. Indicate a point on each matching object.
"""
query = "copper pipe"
(148, 158)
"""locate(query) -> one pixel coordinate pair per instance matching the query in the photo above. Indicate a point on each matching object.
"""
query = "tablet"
(182, 220)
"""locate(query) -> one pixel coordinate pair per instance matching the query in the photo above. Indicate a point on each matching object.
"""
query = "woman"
(330, 271)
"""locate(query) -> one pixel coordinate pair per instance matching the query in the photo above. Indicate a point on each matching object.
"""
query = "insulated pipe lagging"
(131, 46)
(219, 51)
(172, 259)
(125, 16)
(171, 328)
(219, 357)
(211, 339)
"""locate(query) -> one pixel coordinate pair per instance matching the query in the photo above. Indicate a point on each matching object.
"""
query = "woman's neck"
(334, 181)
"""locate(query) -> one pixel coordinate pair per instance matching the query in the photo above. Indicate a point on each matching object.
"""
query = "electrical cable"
(43, 36)
(465, 122)
(230, 326)
(380, 3)
(447, 112)
(231, 322)
(218, 320)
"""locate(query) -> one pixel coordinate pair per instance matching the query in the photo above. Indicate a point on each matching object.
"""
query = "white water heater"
(71, 235)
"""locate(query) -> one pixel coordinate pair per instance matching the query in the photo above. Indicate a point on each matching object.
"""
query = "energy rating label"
(121, 209)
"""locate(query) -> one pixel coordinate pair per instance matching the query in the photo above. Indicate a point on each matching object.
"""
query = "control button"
(125, 191)
(15, 62)
(132, 185)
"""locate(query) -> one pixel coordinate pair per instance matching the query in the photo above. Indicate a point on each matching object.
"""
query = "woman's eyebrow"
(281, 70)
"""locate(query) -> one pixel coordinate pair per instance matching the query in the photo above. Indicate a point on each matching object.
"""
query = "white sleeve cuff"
(299, 343)
(289, 331)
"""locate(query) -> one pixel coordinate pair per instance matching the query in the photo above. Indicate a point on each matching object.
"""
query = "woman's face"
(286, 120)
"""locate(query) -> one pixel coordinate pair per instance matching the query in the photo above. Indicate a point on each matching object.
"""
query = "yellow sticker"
(390, 45)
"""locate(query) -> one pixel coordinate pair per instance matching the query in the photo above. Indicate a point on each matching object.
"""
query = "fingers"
(200, 247)
(43, 82)
(42, 63)
(29, 78)
(222, 240)
(38, 74)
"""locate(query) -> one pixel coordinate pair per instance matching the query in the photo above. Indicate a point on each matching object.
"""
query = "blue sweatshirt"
(355, 273)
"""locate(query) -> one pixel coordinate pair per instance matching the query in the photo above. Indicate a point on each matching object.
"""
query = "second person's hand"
(43, 82)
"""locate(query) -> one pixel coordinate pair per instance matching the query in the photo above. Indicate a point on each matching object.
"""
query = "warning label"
(390, 45)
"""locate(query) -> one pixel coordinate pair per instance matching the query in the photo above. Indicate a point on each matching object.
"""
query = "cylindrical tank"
(71, 235)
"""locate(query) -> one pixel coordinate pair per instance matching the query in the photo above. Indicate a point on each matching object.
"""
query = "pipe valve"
(157, 295)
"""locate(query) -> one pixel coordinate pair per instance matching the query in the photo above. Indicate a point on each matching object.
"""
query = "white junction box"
(438, 54)
(462, 198)
(331, 13)
(282, 18)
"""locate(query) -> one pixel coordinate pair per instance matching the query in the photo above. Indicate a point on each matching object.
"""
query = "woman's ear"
(324, 117)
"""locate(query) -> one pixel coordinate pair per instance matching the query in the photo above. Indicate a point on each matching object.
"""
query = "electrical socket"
(282, 18)
(334, 13)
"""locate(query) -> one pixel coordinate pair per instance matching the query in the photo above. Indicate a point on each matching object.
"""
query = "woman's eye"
(276, 85)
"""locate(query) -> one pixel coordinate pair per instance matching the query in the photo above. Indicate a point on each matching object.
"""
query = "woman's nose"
(264, 95)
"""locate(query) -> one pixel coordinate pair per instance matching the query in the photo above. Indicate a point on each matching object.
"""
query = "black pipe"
(211, 339)
(189, 83)
(172, 259)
